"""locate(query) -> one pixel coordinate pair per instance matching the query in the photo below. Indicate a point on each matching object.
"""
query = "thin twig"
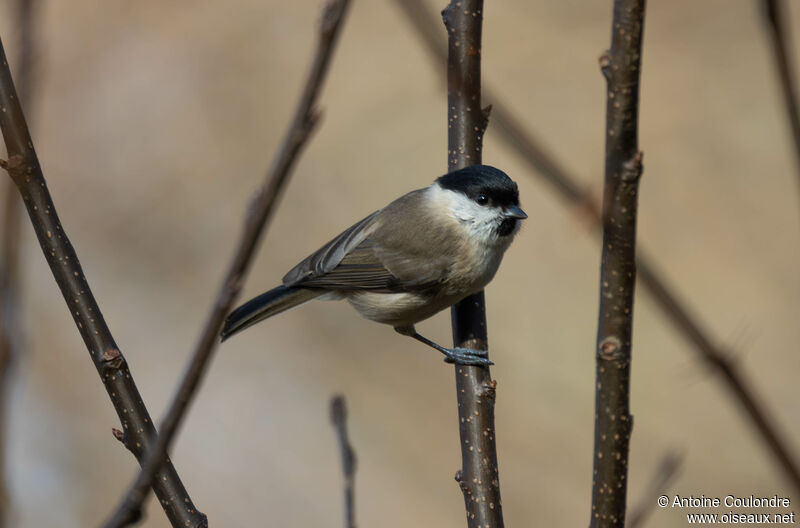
(568, 187)
(720, 360)
(305, 119)
(339, 421)
(621, 67)
(659, 484)
(11, 333)
(23, 166)
(775, 13)
(475, 389)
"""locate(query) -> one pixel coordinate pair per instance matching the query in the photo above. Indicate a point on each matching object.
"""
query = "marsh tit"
(415, 257)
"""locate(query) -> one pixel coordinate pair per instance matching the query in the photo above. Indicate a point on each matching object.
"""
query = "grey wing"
(329, 256)
(352, 261)
(366, 267)
(373, 256)
(359, 269)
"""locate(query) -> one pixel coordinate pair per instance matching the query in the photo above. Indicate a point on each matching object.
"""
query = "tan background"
(154, 122)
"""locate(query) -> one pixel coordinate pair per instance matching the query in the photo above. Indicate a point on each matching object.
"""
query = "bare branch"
(23, 166)
(775, 13)
(719, 359)
(339, 421)
(305, 119)
(510, 129)
(475, 390)
(672, 308)
(11, 338)
(621, 67)
(11, 328)
(660, 483)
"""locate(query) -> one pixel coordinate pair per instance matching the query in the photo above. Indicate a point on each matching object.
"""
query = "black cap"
(482, 180)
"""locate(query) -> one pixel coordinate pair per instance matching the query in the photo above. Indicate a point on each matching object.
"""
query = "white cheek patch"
(479, 220)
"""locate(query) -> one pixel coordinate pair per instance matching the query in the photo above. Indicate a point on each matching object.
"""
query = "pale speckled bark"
(613, 421)
(11, 328)
(138, 431)
(303, 124)
(475, 390)
(524, 142)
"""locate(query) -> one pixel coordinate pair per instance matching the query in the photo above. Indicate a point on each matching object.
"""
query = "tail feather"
(266, 305)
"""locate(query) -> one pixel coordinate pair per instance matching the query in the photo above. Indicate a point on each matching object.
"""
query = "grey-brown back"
(390, 250)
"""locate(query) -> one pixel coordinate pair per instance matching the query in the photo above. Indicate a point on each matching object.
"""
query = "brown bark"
(137, 426)
(305, 119)
(339, 422)
(775, 12)
(613, 422)
(674, 309)
(475, 389)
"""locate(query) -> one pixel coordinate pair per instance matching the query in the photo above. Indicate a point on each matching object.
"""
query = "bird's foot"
(467, 356)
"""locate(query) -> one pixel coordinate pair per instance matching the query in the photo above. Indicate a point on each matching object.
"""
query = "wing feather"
(326, 258)
(374, 255)
(360, 269)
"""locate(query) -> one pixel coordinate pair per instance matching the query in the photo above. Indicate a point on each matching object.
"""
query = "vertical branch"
(475, 389)
(11, 334)
(706, 348)
(775, 14)
(339, 421)
(26, 173)
(504, 120)
(304, 121)
(613, 422)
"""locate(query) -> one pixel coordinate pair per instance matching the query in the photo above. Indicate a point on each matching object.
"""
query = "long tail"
(266, 305)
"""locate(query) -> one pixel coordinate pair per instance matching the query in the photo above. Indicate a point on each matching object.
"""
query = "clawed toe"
(457, 355)
(467, 356)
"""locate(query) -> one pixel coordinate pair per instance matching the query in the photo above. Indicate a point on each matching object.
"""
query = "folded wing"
(369, 256)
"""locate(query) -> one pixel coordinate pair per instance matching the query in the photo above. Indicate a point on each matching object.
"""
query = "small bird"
(410, 260)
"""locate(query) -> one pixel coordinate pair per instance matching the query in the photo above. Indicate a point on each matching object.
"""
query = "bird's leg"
(457, 355)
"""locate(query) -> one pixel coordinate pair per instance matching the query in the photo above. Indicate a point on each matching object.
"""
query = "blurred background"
(154, 122)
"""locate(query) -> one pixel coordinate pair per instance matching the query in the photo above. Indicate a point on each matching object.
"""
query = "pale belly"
(399, 309)
(466, 276)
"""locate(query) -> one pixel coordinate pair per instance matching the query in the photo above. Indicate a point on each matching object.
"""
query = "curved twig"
(569, 188)
(305, 119)
(339, 422)
(659, 484)
(11, 328)
(23, 166)
(475, 390)
(621, 67)
(775, 13)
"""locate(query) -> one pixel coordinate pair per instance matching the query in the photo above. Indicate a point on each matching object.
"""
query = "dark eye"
(481, 199)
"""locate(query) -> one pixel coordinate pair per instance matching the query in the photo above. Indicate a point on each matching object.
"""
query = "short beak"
(515, 212)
